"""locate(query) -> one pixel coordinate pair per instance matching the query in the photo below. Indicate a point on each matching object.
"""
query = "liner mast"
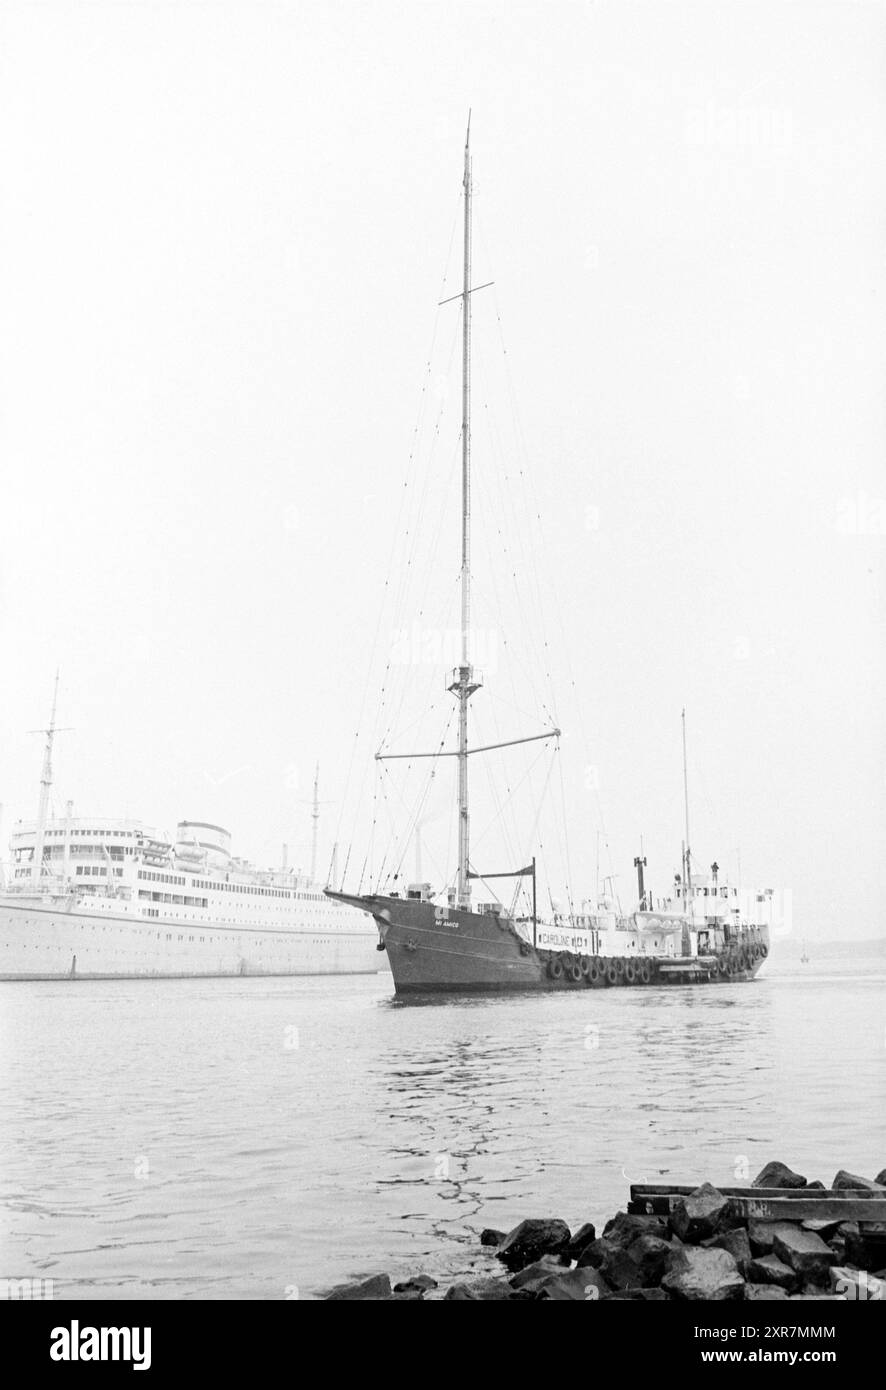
(45, 786)
(315, 818)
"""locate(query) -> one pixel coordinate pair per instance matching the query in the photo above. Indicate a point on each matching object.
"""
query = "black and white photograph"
(442, 777)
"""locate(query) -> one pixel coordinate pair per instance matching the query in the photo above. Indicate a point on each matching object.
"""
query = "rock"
(534, 1275)
(595, 1254)
(703, 1275)
(638, 1266)
(856, 1284)
(736, 1242)
(866, 1249)
(761, 1235)
(705, 1212)
(412, 1297)
(637, 1296)
(650, 1255)
(419, 1284)
(761, 1293)
(583, 1236)
(778, 1175)
(479, 1291)
(620, 1272)
(837, 1242)
(377, 1286)
(805, 1252)
(880, 1179)
(825, 1229)
(769, 1269)
(849, 1182)
(817, 1185)
(619, 1233)
(573, 1286)
(532, 1239)
(491, 1237)
(624, 1228)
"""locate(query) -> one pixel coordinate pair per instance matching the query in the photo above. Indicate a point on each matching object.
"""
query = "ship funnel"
(196, 839)
(640, 865)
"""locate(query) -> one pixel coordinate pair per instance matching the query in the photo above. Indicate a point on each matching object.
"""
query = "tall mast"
(687, 879)
(315, 817)
(463, 683)
(45, 785)
(464, 680)
(466, 415)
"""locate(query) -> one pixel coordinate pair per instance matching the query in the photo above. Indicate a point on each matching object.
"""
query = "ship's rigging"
(382, 862)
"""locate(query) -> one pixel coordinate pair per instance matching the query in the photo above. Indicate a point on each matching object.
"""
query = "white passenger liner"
(95, 898)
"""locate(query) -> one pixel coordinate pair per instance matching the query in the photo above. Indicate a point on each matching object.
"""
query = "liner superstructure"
(117, 898)
(93, 898)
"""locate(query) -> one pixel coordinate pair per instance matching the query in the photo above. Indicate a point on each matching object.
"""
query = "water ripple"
(250, 1139)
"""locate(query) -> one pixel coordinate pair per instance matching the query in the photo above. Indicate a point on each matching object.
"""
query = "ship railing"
(53, 884)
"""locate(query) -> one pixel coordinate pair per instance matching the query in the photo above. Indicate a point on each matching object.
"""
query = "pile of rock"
(704, 1249)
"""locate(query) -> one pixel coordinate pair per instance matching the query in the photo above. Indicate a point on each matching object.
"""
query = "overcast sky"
(223, 234)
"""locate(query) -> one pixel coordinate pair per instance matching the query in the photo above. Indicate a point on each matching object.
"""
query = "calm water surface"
(268, 1138)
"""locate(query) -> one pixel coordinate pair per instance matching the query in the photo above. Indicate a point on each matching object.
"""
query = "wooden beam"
(663, 1189)
(781, 1208)
(831, 1209)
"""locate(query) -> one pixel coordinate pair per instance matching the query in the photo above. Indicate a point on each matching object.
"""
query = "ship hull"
(40, 943)
(447, 951)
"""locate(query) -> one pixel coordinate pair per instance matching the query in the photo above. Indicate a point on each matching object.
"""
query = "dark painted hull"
(435, 950)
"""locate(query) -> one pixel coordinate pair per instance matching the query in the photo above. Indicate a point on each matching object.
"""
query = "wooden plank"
(663, 1189)
(651, 1206)
(777, 1208)
(834, 1209)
